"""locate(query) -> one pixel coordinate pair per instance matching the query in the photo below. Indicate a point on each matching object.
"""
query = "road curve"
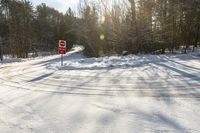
(156, 97)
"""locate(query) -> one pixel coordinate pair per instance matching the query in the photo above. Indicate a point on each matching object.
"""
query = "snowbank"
(80, 62)
(9, 59)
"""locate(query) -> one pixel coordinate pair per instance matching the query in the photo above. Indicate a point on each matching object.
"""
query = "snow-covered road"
(135, 94)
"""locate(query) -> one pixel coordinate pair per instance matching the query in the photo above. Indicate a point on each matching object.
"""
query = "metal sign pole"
(61, 59)
(1, 50)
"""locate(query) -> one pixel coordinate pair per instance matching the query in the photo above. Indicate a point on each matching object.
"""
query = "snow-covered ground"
(132, 94)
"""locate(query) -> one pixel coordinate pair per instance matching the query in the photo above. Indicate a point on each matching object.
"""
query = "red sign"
(62, 51)
(62, 43)
(62, 47)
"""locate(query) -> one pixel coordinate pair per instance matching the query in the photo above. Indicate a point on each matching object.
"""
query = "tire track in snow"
(20, 76)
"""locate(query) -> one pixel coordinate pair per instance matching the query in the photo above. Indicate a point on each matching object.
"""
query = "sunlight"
(102, 37)
(103, 18)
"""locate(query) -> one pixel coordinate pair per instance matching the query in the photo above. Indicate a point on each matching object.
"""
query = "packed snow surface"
(131, 94)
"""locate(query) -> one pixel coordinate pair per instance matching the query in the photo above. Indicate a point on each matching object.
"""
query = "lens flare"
(102, 37)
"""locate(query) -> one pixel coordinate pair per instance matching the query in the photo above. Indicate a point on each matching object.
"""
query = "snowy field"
(132, 94)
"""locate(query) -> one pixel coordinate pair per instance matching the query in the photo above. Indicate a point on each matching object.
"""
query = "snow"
(9, 59)
(146, 93)
(114, 62)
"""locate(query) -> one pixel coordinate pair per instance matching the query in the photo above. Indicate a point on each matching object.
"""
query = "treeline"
(140, 26)
(24, 30)
(103, 27)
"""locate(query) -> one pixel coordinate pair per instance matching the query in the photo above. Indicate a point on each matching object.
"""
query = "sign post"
(61, 59)
(1, 49)
(62, 49)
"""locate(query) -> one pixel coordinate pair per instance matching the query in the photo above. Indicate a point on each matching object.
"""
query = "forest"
(103, 27)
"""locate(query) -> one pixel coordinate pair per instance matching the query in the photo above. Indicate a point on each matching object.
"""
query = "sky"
(60, 5)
